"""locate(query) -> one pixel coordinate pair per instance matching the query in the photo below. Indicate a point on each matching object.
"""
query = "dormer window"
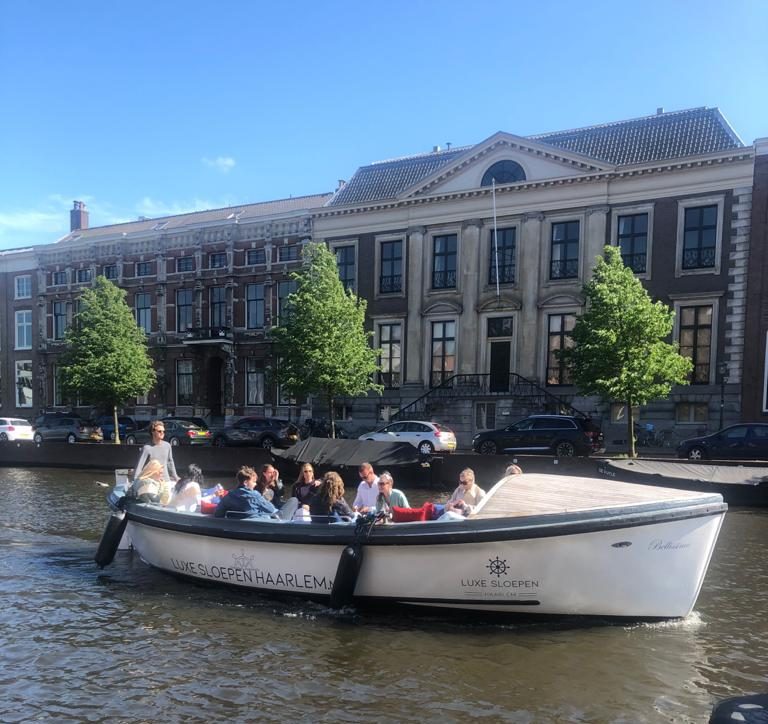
(503, 172)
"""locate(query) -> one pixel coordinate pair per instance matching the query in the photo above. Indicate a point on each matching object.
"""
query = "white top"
(367, 494)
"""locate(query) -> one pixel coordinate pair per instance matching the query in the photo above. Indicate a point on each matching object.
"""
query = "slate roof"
(640, 140)
(243, 213)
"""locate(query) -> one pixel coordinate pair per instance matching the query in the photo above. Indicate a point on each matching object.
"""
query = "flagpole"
(495, 237)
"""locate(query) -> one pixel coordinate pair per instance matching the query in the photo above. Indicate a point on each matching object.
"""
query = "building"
(472, 260)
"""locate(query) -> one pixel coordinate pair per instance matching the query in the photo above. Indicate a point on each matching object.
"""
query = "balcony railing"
(506, 274)
(703, 258)
(390, 284)
(564, 269)
(197, 335)
(636, 262)
(444, 279)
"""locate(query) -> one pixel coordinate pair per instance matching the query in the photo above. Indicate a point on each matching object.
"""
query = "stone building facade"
(472, 261)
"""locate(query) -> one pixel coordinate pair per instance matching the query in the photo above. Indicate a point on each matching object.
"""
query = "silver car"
(66, 429)
(426, 437)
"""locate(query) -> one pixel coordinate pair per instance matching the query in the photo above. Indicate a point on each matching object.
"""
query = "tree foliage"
(619, 348)
(321, 343)
(106, 361)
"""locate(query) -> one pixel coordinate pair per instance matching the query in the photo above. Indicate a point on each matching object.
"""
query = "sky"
(148, 108)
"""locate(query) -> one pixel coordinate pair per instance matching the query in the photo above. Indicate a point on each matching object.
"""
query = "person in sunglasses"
(158, 450)
(466, 496)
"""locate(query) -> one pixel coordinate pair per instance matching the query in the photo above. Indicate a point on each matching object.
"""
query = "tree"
(619, 350)
(321, 344)
(106, 361)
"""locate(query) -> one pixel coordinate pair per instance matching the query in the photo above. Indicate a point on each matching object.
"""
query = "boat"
(536, 544)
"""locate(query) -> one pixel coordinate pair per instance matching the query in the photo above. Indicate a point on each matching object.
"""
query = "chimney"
(78, 216)
(659, 110)
(435, 149)
(342, 183)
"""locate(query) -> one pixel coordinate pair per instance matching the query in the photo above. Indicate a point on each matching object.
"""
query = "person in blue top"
(245, 498)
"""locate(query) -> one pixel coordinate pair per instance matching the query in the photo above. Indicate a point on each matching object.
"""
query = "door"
(501, 356)
(215, 378)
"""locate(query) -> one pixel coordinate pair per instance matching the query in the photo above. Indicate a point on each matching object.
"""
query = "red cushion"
(404, 515)
(207, 507)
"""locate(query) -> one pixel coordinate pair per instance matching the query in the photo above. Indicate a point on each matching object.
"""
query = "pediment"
(443, 306)
(561, 299)
(539, 161)
(504, 302)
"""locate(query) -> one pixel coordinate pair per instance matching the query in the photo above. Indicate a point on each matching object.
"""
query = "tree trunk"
(630, 430)
(117, 427)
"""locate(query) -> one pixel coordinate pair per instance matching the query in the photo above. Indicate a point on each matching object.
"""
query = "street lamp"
(722, 370)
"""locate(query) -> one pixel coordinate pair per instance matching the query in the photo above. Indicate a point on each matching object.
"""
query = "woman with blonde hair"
(151, 485)
(328, 505)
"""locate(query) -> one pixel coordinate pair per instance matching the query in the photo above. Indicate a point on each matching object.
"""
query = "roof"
(658, 137)
(242, 213)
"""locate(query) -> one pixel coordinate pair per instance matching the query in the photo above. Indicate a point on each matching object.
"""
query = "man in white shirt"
(367, 491)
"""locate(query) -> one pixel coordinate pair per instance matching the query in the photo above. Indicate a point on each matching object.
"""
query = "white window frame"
(56, 273)
(544, 314)
(427, 365)
(258, 371)
(485, 359)
(86, 271)
(549, 222)
(684, 204)
(22, 286)
(618, 211)
(18, 324)
(486, 246)
(333, 245)
(17, 378)
(430, 265)
(377, 322)
(179, 362)
(378, 241)
(700, 300)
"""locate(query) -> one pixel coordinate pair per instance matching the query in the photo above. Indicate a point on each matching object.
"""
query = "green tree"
(619, 348)
(106, 361)
(321, 343)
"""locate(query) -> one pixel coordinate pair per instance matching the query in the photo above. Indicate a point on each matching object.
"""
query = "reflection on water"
(133, 644)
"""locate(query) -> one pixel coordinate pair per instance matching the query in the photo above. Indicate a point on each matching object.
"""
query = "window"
(345, 261)
(632, 238)
(391, 276)
(485, 415)
(217, 260)
(443, 352)
(59, 278)
(564, 263)
(144, 269)
(444, 262)
(142, 400)
(699, 237)
(23, 287)
(184, 382)
(59, 319)
(110, 271)
(185, 264)
(691, 412)
(218, 302)
(284, 289)
(342, 411)
(696, 340)
(503, 172)
(143, 302)
(289, 253)
(389, 342)
(184, 310)
(386, 412)
(503, 244)
(58, 394)
(24, 329)
(24, 383)
(254, 306)
(83, 276)
(254, 382)
(559, 338)
(256, 256)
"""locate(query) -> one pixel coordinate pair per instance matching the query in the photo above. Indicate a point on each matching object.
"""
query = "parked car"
(266, 432)
(426, 437)
(747, 441)
(67, 428)
(202, 424)
(177, 432)
(561, 435)
(125, 425)
(15, 428)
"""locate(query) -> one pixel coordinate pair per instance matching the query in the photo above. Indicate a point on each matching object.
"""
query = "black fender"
(110, 539)
(347, 573)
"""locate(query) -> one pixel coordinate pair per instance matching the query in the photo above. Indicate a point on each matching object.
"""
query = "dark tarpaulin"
(349, 453)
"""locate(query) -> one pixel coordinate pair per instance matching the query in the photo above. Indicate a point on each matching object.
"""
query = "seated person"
(466, 496)
(273, 488)
(151, 485)
(245, 498)
(328, 504)
(367, 491)
(513, 470)
(389, 495)
(187, 492)
(305, 487)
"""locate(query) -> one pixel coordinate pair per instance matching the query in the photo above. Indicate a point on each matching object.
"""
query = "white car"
(15, 428)
(426, 437)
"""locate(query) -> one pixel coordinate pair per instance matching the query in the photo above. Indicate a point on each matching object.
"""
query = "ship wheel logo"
(497, 566)
(242, 560)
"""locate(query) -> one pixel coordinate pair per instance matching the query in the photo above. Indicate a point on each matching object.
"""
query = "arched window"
(505, 172)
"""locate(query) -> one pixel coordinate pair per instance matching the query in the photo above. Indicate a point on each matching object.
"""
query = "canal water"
(131, 644)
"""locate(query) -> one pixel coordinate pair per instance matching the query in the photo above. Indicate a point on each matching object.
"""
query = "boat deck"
(539, 494)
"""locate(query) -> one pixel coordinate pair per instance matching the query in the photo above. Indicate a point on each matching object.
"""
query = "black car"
(177, 432)
(202, 424)
(561, 435)
(747, 441)
(266, 432)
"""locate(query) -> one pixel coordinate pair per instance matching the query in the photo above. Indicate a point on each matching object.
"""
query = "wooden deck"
(537, 494)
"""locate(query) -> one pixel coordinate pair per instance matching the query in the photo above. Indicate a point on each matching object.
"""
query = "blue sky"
(154, 108)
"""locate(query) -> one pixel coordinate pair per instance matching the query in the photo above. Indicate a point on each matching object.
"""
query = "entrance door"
(501, 355)
(215, 388)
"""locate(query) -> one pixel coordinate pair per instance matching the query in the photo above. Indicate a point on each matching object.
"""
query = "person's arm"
(171, 466)
(143, 457)
(358, 501)
(402, 501)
